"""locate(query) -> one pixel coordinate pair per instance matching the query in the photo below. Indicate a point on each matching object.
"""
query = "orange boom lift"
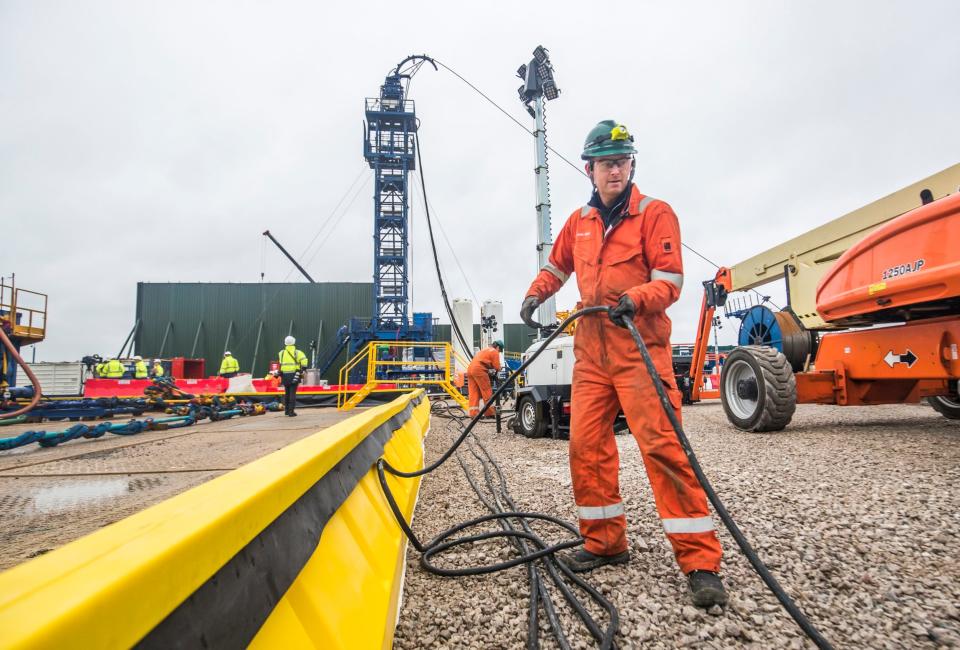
(873, 314)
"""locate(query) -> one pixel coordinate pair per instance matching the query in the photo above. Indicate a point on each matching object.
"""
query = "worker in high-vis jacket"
(157, 368)
(115, 369)
(624, 248)
(140, 370)
(229, 367)
(483, 363)
(292, 364)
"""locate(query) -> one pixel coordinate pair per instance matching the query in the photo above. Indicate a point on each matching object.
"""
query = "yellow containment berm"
(296, 549)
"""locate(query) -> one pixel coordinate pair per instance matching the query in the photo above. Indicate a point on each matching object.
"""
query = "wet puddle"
(66, 496)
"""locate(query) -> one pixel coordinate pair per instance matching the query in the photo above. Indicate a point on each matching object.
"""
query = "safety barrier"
(296, 549)
(405, 364)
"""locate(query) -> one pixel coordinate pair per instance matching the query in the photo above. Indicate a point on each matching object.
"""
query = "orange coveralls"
(639, 257)
(478, 381)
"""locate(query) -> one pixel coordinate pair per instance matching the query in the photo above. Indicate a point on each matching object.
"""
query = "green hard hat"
(499, 344)
(608, 138)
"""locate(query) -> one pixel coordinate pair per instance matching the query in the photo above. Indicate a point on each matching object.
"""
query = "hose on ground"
(440, 543)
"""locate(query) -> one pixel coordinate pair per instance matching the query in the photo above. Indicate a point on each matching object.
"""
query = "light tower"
(538, 88)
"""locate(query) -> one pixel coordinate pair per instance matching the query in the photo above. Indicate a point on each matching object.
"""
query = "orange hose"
(33, 378)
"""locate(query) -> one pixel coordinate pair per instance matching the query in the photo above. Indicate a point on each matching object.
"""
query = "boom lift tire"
(531, 419)
(758, 389)
(948, 407)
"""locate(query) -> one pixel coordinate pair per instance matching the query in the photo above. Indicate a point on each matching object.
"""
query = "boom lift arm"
(805, 259)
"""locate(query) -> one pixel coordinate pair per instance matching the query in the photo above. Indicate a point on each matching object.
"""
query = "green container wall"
(297, 308)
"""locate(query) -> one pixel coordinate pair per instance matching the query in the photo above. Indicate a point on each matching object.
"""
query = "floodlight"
(522, 71)
(540, 54)
(545, 71)
(550, 89)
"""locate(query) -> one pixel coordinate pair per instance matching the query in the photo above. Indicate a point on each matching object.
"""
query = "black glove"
(625, 310)
(530, 304)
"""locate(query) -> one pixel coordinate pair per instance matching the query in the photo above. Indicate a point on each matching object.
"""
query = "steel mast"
(539, 87)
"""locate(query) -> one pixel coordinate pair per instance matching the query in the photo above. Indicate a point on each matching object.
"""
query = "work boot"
(292, 414)
(706, 588)
(583, 560)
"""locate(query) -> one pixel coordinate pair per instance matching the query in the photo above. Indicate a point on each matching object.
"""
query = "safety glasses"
(607, 165)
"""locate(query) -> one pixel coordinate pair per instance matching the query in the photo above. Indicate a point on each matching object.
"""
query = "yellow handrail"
(35, 325)
(437, 369)
(344, 375)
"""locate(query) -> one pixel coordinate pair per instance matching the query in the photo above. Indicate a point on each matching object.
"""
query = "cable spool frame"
(780, 330)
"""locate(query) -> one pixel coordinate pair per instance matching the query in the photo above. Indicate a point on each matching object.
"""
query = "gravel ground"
(855, 510)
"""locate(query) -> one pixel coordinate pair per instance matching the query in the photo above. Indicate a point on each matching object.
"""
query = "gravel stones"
(854, 509)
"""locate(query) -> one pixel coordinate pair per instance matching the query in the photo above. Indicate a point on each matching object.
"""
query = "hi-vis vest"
(292, 359)
(115, 369)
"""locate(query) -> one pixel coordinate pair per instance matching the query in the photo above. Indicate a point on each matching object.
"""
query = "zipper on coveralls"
(596, 289)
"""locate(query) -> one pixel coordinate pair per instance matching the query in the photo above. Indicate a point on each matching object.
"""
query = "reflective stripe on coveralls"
(563, 277)
(640, 257)
(601, 512)
(478, 381)
(688, 525)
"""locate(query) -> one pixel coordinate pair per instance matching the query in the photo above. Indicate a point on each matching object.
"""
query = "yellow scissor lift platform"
(413, 365)
(24, 312)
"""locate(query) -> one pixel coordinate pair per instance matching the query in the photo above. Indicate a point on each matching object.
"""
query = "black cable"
(576, 167)
(721, 510)
(551, 563)
(438, 544)
(454, 328)
(538, 590)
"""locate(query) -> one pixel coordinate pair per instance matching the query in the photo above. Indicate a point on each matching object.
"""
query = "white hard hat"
(227, 353)
(289, 341)
(138, 358)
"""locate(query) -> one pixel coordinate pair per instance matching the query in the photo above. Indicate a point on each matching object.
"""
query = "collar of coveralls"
(615, 213)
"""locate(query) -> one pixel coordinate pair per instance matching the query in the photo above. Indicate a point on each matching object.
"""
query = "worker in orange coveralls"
(478, 377)
(624, 248)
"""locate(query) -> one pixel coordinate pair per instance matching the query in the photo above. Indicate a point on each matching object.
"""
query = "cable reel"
(779, 330)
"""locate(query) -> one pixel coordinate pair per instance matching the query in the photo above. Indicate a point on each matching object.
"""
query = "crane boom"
(289, 256)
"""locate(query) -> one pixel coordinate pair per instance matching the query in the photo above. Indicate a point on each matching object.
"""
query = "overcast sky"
(155, 141)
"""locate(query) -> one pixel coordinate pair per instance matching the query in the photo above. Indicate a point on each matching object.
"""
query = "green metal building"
(203, 319)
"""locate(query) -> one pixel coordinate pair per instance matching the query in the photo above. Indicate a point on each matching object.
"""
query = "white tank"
(491, 322)
(463, 316)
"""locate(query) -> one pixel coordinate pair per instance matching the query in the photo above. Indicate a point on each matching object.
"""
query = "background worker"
(625, 250)
(478, 377)
(140, 370)
(292, 364)
(115, 369)
(229, 367)
(101, 369)
(157, 368)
